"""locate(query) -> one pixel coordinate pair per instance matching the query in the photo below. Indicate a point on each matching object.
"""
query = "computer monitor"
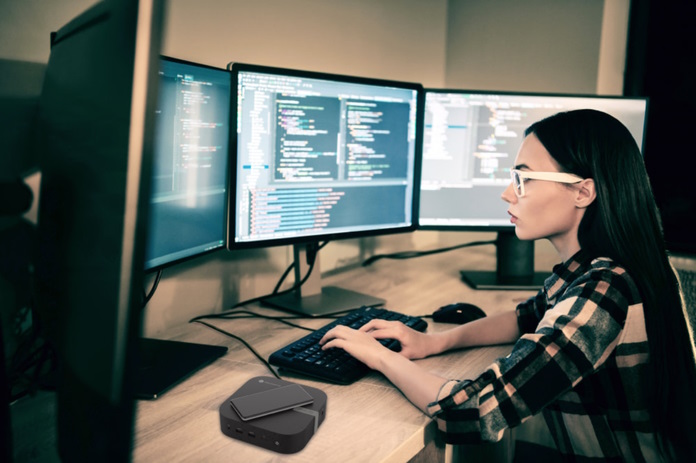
(188, 201)
(188, 207)
(321, 157)
(470, 142)
(93, 127)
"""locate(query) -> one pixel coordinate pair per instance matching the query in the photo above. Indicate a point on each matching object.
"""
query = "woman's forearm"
(422, 387)
(418, 385)
(496, 329)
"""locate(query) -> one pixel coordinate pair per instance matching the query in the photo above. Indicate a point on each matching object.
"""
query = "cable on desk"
(413, 254)
(248, 346)
(281, 319)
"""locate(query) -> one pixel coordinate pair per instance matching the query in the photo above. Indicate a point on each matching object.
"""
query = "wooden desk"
(368, 421)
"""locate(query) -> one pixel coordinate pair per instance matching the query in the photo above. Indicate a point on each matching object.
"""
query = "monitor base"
(330, 301)
(491, 280)
(162, 364)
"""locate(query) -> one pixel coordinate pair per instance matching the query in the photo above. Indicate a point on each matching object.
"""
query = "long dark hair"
(623, 223)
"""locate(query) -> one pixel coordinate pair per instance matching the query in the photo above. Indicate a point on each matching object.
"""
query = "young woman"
(603, 350)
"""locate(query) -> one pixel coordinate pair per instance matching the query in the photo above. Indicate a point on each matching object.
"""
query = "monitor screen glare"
(189, 184)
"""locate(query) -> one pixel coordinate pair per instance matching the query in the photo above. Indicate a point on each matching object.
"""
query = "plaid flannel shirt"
(582, 360)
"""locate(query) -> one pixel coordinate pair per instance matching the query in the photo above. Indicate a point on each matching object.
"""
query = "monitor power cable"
(413, 254)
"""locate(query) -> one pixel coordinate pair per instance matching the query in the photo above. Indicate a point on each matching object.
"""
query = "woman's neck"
(566, 248)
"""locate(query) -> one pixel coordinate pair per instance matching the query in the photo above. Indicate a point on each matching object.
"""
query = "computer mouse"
(459, 312)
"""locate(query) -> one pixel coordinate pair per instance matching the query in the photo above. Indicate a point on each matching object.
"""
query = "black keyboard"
(305, 355)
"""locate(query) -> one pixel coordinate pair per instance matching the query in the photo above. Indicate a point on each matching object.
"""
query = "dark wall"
(20, 86)
(661, 56)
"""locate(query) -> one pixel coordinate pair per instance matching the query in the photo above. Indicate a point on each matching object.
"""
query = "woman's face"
(547, 209)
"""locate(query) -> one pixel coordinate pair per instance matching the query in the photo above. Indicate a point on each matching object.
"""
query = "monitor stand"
(514, 267)
(313, 300)
(161, 364)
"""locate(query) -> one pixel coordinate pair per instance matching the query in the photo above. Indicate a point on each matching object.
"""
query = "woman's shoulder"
(607, 265)
(606, 272)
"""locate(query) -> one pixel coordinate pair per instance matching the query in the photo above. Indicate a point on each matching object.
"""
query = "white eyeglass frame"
(519, 176)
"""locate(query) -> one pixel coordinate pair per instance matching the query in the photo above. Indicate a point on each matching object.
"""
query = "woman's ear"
(586, 193)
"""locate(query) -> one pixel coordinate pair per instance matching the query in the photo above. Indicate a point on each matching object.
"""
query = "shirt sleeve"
(571, 341)
(529, 313)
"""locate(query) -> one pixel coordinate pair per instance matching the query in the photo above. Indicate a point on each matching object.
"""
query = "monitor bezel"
(235, 68)
(223, 245)
(511, 228)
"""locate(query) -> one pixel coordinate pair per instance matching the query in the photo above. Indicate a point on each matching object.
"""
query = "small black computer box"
(286, 431)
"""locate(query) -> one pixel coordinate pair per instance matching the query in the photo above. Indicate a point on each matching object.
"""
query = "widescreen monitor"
(188, 205)
(322, 157)
(470, 142)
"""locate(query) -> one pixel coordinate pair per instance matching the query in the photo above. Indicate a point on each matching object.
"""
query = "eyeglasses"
(519, 176)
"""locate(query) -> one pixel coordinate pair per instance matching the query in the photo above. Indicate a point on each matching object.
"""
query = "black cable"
(283, 277)
(32, 361)
(248, 346)
(311, 256)
(294, 287)
(231, 316)
(413, 254)
(148, 296)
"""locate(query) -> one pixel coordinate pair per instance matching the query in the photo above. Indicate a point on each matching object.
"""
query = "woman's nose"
(509, 195)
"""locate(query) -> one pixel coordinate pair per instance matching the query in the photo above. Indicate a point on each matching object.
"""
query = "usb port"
(252, 434)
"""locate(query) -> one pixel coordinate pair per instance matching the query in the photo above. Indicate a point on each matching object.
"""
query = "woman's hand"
(364, 345)
(359, 344)
(414, 344)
